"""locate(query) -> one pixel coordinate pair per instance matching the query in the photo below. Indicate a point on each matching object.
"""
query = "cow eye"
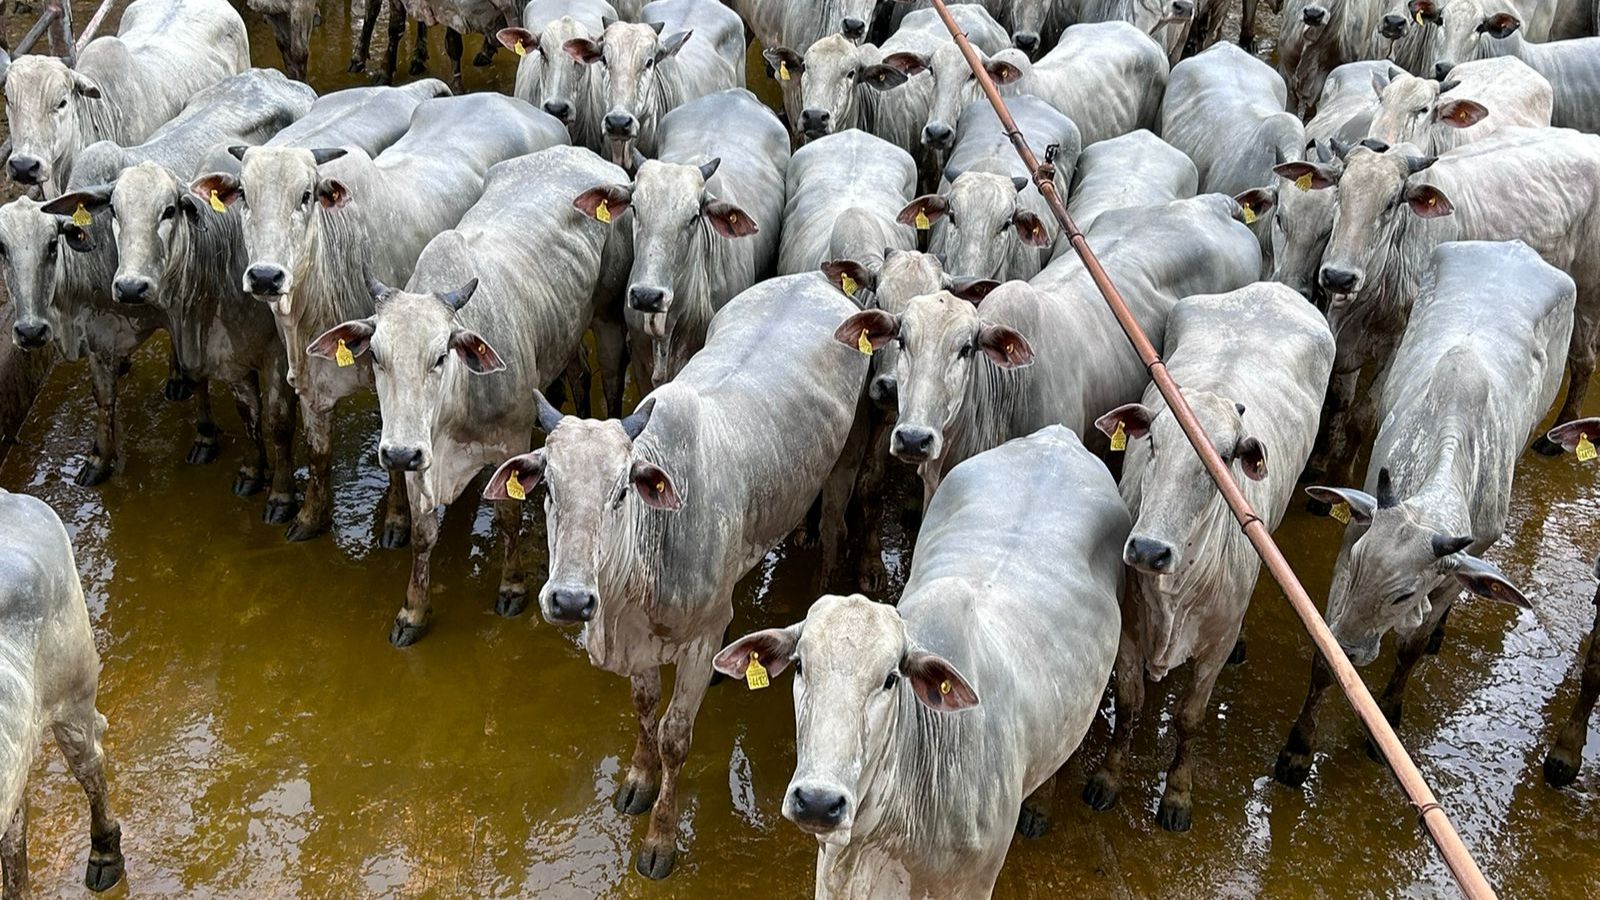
(439, 363)
(891, 681)
(305, 199)
(168, 213)
(62, 105)
(798, 668)
(50, 248)
(965, 351)
(1407, 595)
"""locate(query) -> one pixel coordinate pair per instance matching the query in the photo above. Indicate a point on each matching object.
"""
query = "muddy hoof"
(381, 79)
(1237, 657)
(511, 601)
(1099, 792)
(635, 798)
(248, 483)
(457, 86)
(204, 450)
(357, 65)
(404, 634)
(483, 59)
(280, 510)
(94, 472)
(1173, 816)
(301, 530)
(1318, 507)
(873, 577)
(105, 862)
(178, 389)
(1559, 769)
(396, 534)
(1292, 769)
(419, 66)
(1033, 823)
(1546, 447)
(655, 863)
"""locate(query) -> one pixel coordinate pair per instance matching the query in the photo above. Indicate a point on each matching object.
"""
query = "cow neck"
(993, 397)
(694, 302)
(198, 277)
(82, 294)
(20, 730)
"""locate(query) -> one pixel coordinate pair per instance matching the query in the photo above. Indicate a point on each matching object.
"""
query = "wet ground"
(266, 741)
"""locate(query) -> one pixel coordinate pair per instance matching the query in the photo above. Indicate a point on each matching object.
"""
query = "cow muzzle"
(818, 808)
(266, 280)
(884, 391)
(1148, 555)
(1340, 280)
(30, 335)
(938, 136)
(1026, 41)
(815, 123)
(561, 109)
(914, 443)
(1361, 653)
(853, 29)
(1315, 16)
(568, 605)
(1441, 70)
(620, 126)
(1393, 26)
(403, 459)
(132, 289)
(25, 169)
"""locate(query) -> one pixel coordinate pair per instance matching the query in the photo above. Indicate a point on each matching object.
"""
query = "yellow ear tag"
(216, 203)
(922, 221)
(514, 488)
(661, 487)
(602, 214)
(521, 50)
(944, 686)
(864, 345)
(1303, 182)
(1340, 513)
(755, 674)
(81, 217)
(1419, 17)
(343, 356)
(783, 71)
(1249, 215)
(1119, 438)
(1586, 451)
(848, 285)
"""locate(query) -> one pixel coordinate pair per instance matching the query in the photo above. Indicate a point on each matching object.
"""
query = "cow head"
(560, 77)
(856, 675)
(590, 469)
(954, 86)
(981, 220)
(831, 79)
(33, 244)
(1472, 29)
(152, 210)
(285, 196)
(1394, 567)
(631, 55)
(1375, 190)
(1410, 106)
(1302, 220)
(46, 103)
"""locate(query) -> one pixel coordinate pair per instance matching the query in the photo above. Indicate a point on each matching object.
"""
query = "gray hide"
(844, 192)
(1477, 29)
(1135, 169)
(1107, 77)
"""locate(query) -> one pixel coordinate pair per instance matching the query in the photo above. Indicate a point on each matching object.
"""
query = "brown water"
(265, 739)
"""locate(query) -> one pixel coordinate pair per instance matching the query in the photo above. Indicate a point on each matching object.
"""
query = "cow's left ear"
(773, 648)
(1004, 346)
(1460, 113)
(1483, 579)
(475, 352)
(728, 220)
(528, 469)
(1030, 228)
(655, 486)
(1252, 456)
(972, 290)
(1135, 419)
(1255, 203)
(850, 276)
(85, 86)
(356, 335)
(1500, 25)
(191, 210)
(672, 43)
(76, 236)
(92, 199)
(1428, 201)
(936, 683)
(1567, 434)
(1002, 72)
(332, 193)
(881, 77)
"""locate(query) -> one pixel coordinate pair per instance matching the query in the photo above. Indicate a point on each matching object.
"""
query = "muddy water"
(265, 740)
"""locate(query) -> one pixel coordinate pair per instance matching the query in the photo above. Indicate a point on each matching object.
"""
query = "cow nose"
(912, 443)
(647, 299)
(1315, 15)
(1361, 654)
(1026, 41)
(938, 135)
(818, 805)
(131, 290)
(31, 335)
(265, 280)
(1149, 555)
(884, 391)
(1393, 26)
(561, 109)
(619, 124)
(853, 28)
(1340, 281)
(26, 169)
(570, 605)
(814, 122)
(1442, 69)
(401, 459)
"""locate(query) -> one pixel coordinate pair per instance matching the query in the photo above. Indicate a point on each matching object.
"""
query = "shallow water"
(265, 739)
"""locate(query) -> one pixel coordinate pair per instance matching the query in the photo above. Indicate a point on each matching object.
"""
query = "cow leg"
(1562, 763)
(1407, 655)
(513, 597)
(397, 31)
(1355, 434)
(660, 851)
(866, 510)
(833, 527)
(412, 621)
(579, 382)
(1436, 638)
(279, 408)
(1247, 26)
(1294, 760)
(207, 446)
(639, 788)
(369, 21)
(78, 736)
(1101, 790)
(252, 475)
(14, 854)
(419, 54)
(179, 387)
(1033, 821)
(1340, 395)
(103, 378)
(453, 48)
(397, 515)
(1580, 369)
(611, 344)
(1177, 802)
(316, 511)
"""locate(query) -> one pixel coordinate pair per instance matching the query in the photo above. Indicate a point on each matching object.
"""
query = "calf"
(441, 426)
(683, 50)
(1480, 98)
(654, 519)
(51, 673)
(1253, 364)
(550, 79)
(1135, 169)
(910, 784)
(1479, 366)
(308, 223)
(1315, 37)
(845, 191)
(122, 88)
(705, 223)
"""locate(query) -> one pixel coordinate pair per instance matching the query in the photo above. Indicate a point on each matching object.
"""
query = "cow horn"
(1020, 182)
(1375, 145)
(634, 425)
(549, 417)
(378, 289)
(1340, 148)
(607, 22)
(657, 26)
(1444, 545)
(1323, 154)
(635, 160)
(709, 168)
(1415, 164)
(327, 154)
(1386, 498)
(237, 151)
(459, 297)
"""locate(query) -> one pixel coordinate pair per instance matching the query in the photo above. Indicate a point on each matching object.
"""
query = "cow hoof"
(635, 798)
(1546, 447)
(1237, 657)
(1173, 816)
(178, 389)
(457, 85)
(873, 577)
(94, 472)
(1292, 769)
(655, 863)
(1100, 793)
(301, 530)
(1033, 822)
(483, 59)
(419, 66)
(404, 634)
(204, 450)
(1318, 507)
(1560, 769)
(280, 510)
(357, 66)
(512, 601)
(396, 534)
(382, 78)
(105, 862)
(248, 483)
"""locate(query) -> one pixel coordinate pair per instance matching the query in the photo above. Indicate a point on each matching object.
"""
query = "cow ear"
(1255, 203)
(584, 50)
(77, 237)
(936, 683)
(1002, 72)
(1483, 579)
(972, 290)
(92, 199)
(1460, 113)
(1362, 504)
(615, 197)
(475, 352)
(332, 193)
(220, 186)
(860, 277)
(728, 220)
(1500, 25)
(520, 41)
(931, 207)
(672, 43)
(782, 59)
(1030, 228)
(1568, 434)
(874, 326)
(655, 486)
(85, 86)
(529, 470)
(773, 648)
(1135, 419)
(1320, 176)
(1252, 456)
(1004, 347)
(1428, 201)
(908, 63)
(191, 210)
(356, 335)
(881, 77)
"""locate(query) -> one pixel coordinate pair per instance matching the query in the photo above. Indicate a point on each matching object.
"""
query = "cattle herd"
(1389, 244)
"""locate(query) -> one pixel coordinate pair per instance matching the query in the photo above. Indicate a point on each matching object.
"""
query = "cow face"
(33, 243)
(561, 78)
(955, 86)
(1471, 29)
(1302, 222)
(45, 105)
(1375, 191)
(152, 211)
(590, 469)
(836, 72)
(1394, 567)
(420, 356)
(980, 221)
(857, 675)
(1411, 106)
(631, 55)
